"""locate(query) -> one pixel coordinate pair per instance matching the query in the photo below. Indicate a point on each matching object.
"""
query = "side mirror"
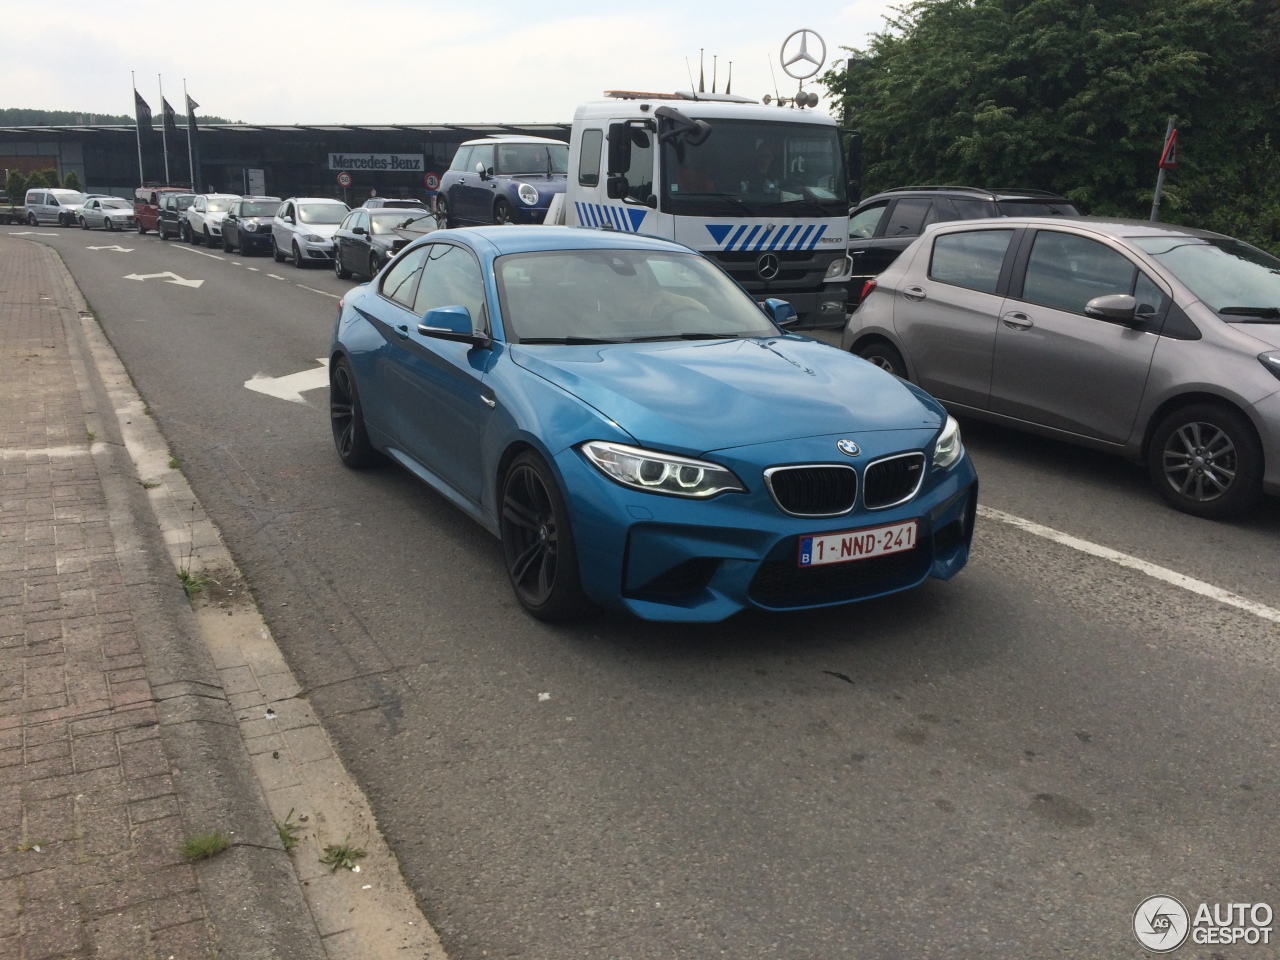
(780, 312)
(1116, 308)
(480, 170)
(358, 231)
(615, 188)
(451, 323)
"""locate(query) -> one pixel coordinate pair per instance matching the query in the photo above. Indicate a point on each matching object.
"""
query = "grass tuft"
(173, 463)
(341, 855)
(205, 845)
(290, 832)
(192, 583)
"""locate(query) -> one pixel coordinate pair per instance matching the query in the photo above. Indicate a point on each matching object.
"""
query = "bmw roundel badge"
(848, 448)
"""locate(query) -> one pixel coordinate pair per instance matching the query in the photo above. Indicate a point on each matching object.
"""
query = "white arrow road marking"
(29, 233)
(174, 278)
(114, 246)
(293, 386)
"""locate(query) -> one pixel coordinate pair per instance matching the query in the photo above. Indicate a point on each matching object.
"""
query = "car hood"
(326, 230)
(695, 396)
(1265, 333)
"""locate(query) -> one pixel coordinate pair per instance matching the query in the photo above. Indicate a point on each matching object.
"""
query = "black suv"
(884, 225)
(169, 213)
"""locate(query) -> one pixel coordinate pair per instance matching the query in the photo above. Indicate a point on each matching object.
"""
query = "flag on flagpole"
(170, 135)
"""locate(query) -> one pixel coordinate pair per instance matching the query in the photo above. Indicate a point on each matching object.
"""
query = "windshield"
(1226, 274)
(384, 223)
(70, 198)
(219, 206)
(756, 168)
(115, 204)
(620, 296)
(261, 208)
(184, 201)
(533, 158)
(322, 212)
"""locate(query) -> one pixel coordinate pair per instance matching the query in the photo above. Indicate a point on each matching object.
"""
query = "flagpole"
(1155, 203)
(191, 156)
(137, 126)
(164, 129)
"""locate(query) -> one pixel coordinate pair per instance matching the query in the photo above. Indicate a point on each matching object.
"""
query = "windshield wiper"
(685, 336)
(1264, 314)
(732, 197)
(815, 204)
(569, 341)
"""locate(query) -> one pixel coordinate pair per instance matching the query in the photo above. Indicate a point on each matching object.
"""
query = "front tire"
(276, 255)
(347, 417)
(111, 227)
(442, 211)
(297, 256)
(184, 233)
(373, 265)
(502, 211)
(208, 240)
(226, 241)
(885, 356)
(1205, 459)
(537, 542)
(84, 224)
(32, 221)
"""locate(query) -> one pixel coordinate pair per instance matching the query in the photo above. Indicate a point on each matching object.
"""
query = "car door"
(473, 191)
(1057, 367)
(91, 213)
(231, 224)
(443, 405)
(946, 309)
(281, 228)
(358, 244)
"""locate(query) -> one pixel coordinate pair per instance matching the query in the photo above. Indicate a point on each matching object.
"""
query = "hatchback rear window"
(972, 258)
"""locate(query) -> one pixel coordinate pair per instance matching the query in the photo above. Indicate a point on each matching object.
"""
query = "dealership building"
(277, 160)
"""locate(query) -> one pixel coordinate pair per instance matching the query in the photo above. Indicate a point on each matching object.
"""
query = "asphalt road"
(1004, 765)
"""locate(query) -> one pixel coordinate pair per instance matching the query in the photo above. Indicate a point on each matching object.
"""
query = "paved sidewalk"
(116, 739)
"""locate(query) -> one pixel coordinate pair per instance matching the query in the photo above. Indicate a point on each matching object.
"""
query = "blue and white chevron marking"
(626, 219)
(758, 236)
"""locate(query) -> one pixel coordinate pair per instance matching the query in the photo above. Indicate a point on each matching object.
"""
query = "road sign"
(344, 179)
(432, 181)
(1169, 158)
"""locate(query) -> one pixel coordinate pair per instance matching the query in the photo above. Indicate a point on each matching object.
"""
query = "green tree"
(51, 177)
(71, 181)
(1074, 97)
(15, 186)
(36, 180)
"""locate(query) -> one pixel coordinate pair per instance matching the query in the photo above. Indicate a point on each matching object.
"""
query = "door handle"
(403, 330)
(914, 294)
(489, 401)
(1017, 321)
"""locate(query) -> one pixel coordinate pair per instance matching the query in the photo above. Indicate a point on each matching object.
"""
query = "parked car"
(367, 239)
(554, 384)
(884, 225)
(1157, 342)
(503, 180)
(147, 200)
(303, 229)
(48, 205)
(247, 225)
(374, 203)
(202, 221)
(171, 212)
(108, 213)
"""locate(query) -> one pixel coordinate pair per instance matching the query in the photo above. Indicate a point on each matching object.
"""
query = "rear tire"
(885, 356)
(339, 271)
(347, 417)
(1205, 459)
(276, 255)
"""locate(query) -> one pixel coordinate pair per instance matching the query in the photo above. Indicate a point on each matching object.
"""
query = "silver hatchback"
(1157, 342)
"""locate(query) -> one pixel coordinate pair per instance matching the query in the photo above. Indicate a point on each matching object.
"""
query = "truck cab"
(762, 190)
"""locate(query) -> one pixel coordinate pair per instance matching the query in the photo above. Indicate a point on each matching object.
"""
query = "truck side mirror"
(619, 150)
(615, 188)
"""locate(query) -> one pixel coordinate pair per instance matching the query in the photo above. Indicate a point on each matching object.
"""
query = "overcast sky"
(398, 61)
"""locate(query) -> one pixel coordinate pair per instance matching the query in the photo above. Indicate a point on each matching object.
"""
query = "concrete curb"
(251, 893)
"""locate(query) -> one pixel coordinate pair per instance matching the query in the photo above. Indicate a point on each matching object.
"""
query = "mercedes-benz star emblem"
(847, 447)
(767, 267)
(797, 61)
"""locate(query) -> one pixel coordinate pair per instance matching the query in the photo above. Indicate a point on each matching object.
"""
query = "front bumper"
(670, 559)
(1266, 417)
(316, 251)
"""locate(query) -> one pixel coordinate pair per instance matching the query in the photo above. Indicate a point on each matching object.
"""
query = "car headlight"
(1271, 361)
(655, 472)
(312, 238)
(948, 448)
(528, 194)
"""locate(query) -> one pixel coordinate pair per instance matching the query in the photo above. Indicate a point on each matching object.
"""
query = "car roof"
(978, 193)
(505, 238)
(218, 196)
(1120, 227)
(313, 200)
(512, 138)
(276, 199)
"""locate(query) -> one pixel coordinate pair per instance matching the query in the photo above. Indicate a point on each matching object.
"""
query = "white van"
(54, 206)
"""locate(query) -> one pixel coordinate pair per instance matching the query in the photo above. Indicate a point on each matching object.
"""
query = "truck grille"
(813, 490)
(893, 480)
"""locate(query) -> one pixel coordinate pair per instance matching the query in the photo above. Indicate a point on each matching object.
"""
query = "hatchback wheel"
(339, 271)
(537, 542)
(373, 265)
(502, 211)
(885, 356)
(347, 417)
(1206, 460)
(276, 255)
(297, 256)
(226, 242)
(208, 240)
(442, 210)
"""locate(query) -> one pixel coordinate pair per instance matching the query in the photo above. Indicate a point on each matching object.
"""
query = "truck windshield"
(756, 168)
(533, 158)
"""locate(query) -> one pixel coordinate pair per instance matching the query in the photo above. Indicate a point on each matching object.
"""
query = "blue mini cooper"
(502, 179)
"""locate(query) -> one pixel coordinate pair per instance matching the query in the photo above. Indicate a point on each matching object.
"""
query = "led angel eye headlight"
(948, 448)
(664, 473)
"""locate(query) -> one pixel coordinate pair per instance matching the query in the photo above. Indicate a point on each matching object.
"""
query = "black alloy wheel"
(339, 271)
(373, 265)
(442, 210)
(1206, 460)
(347, 418)
(208, 240)
(297, 256)
(502, 211)
(885, 356)
(537, 542)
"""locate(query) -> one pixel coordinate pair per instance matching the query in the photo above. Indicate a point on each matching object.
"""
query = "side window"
(450, 277)
(347, 222)
(863, 223)
(462, 159)
(362, 220)
(907, 219)
(943, 210)
(1065, 271)
(970, 259)
(639, 173)
(589, 158)
(483, 154)
(970, 209)
(401, 281)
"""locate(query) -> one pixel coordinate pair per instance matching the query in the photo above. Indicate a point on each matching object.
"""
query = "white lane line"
(274, 277)
(254, 269)
(236, 263)
(1133, 563)
(314, 290)
(213, 256)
